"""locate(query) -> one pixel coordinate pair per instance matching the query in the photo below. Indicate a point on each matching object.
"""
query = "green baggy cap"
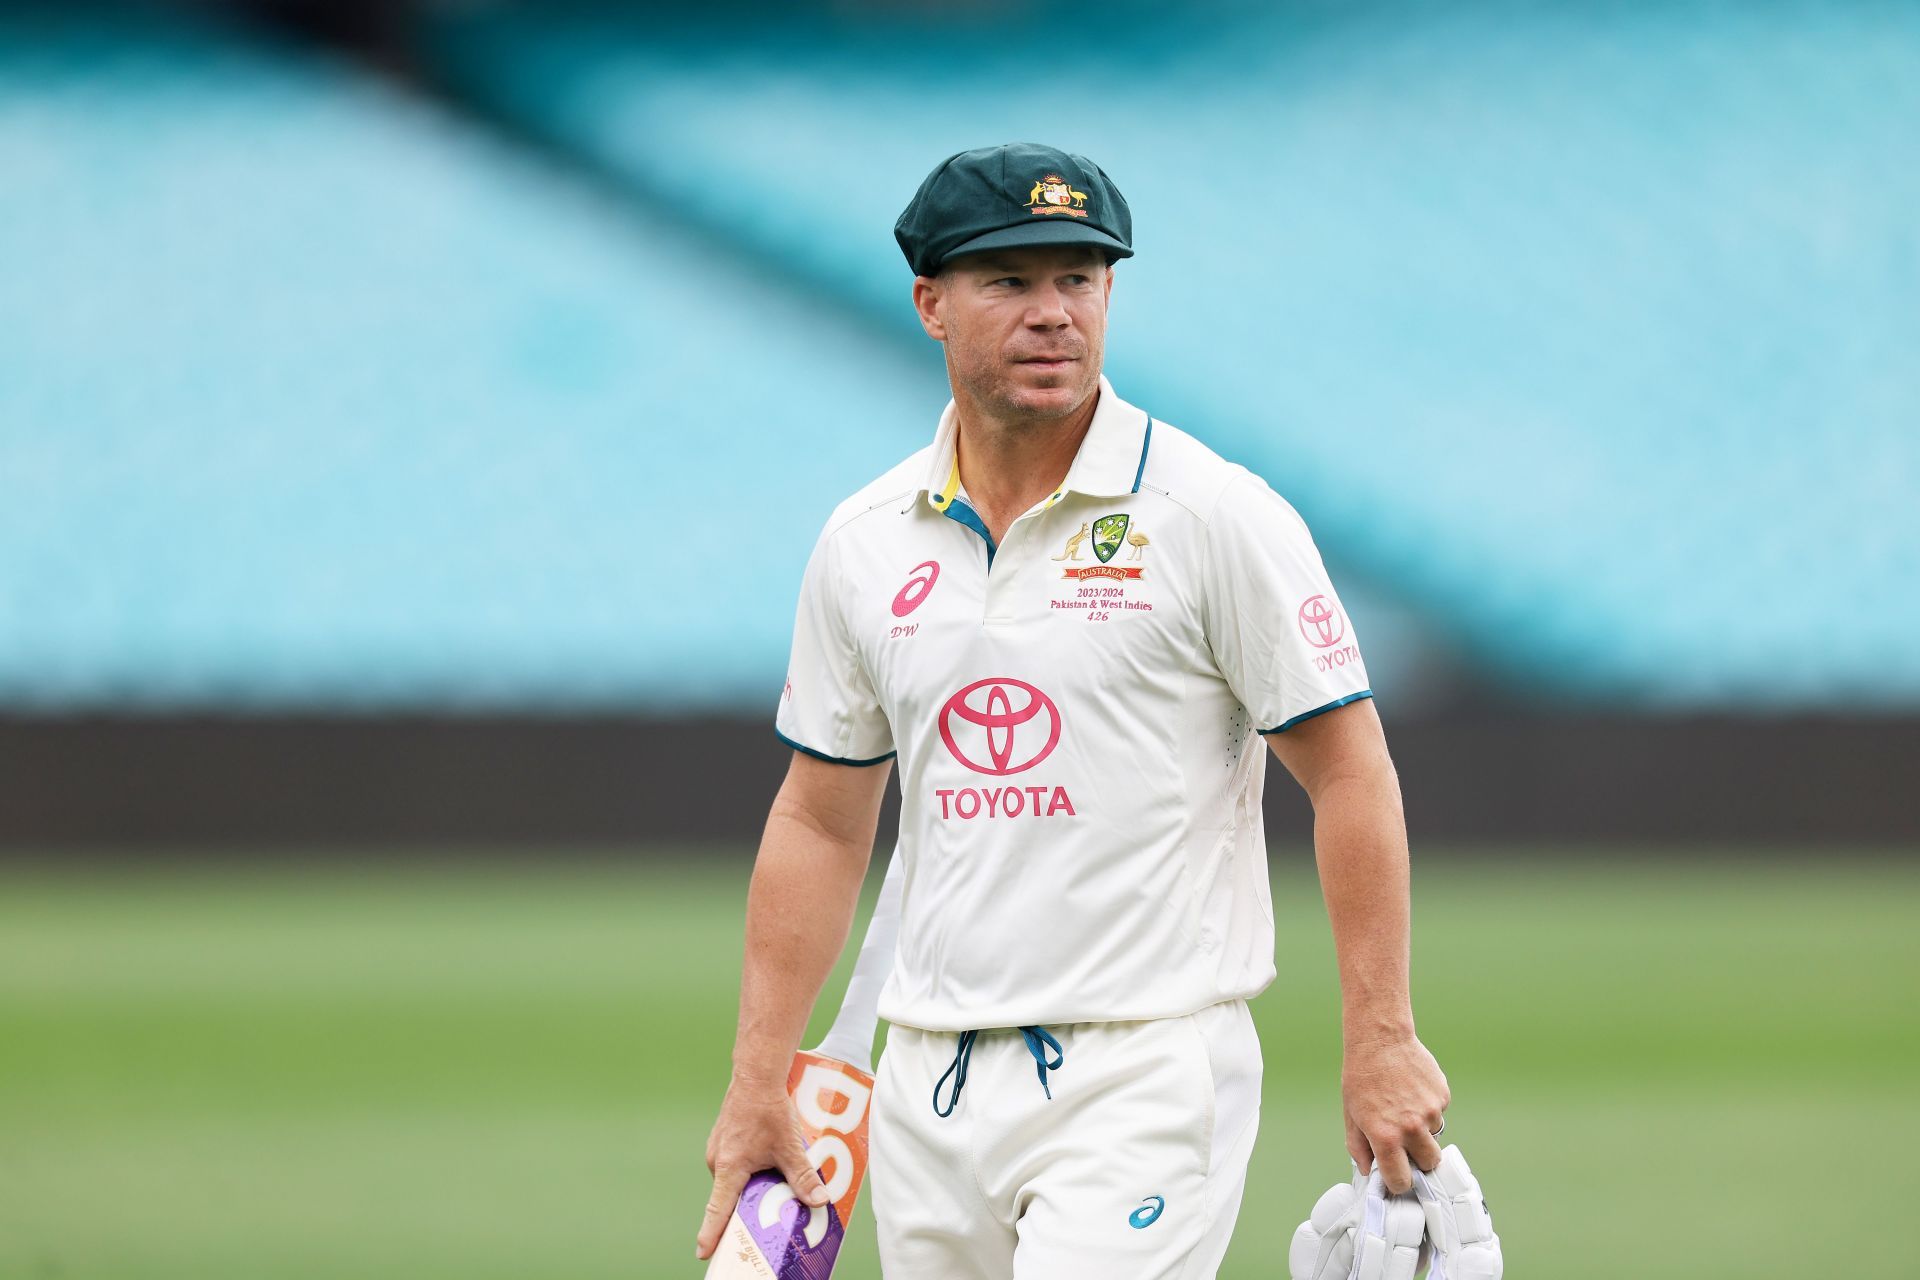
(1022, 193)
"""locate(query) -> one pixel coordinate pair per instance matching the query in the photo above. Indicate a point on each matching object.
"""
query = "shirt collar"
(1111, 460)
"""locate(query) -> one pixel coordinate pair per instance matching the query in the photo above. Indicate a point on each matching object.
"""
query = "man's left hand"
(1395, 1096)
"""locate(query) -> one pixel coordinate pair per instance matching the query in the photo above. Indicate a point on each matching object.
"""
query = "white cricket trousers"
(1133, 1170)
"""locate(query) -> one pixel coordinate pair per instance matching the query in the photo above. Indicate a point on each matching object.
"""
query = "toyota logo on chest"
(1000, 726)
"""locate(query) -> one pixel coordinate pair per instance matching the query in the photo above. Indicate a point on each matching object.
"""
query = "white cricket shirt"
(1076, 715)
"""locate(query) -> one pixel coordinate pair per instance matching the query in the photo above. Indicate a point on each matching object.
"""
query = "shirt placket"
(1005, 588)
(1001, 595)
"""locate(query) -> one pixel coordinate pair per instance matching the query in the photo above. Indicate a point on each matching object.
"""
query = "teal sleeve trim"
(821, 755)
(1320, 711)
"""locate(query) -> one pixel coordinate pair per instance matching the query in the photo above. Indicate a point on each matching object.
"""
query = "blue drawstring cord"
(959, 1072)
(1036, 1037)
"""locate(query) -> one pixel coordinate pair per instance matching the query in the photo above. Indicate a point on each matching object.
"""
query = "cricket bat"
(773, 1234)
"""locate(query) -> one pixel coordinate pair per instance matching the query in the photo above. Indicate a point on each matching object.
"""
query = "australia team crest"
(1108, 533)
(1105, 537)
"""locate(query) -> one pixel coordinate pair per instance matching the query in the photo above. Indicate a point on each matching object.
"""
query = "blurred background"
(414, 419)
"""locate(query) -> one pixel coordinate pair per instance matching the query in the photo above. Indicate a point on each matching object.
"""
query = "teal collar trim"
(1146, 442)
(956, 508)
(1099, 470)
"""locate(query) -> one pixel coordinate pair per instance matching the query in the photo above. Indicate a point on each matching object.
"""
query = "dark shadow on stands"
(196, 783)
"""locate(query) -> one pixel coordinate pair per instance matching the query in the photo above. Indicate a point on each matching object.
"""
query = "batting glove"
(1322, 1247)
(1459, 1226)
(1357, 1231)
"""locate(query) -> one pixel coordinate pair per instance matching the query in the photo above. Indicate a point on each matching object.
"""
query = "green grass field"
(511, 1072)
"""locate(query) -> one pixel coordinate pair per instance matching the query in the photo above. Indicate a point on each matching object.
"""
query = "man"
(1073, 625)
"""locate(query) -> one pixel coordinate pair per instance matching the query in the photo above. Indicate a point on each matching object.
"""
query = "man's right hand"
(758, 1129)
(806, 883)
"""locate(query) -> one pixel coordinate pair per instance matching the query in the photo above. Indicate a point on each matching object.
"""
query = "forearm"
(806, 882)
(1360, 844)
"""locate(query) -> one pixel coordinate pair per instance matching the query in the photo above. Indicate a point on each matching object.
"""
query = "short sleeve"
(1278, 632)
(828, 708)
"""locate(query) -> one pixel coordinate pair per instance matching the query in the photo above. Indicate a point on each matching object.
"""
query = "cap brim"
(1049, 232)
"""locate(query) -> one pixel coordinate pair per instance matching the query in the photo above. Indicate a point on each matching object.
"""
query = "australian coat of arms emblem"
(1054, 194)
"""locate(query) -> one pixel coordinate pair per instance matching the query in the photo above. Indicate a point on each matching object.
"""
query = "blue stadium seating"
(1583, 340)
(1586, 331)
(313, 395)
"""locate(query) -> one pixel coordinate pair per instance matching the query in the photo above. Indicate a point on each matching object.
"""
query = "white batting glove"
(1357, 1231)
(1387, 1243)
(1458, 1224)
(1322, 1247)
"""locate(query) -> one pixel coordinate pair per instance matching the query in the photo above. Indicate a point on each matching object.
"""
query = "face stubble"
(987, 360)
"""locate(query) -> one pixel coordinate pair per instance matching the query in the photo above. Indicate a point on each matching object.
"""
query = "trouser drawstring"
(1038, 1040)
(958, 1071)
